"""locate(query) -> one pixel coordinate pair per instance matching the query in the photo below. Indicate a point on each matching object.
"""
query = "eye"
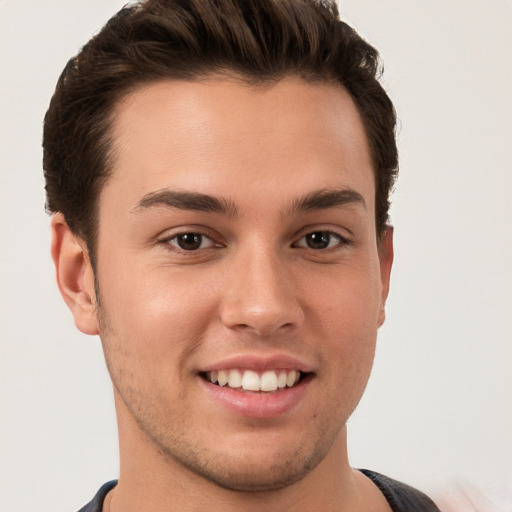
(191, 241)
(319, 240)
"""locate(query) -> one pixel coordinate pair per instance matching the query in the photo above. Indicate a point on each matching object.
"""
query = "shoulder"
(96, 505)
(401, 497)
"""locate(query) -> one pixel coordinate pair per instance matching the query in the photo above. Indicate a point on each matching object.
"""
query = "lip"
(259, 363)
(257, 404)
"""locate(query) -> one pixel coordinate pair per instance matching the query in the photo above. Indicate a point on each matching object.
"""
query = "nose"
(261, 296)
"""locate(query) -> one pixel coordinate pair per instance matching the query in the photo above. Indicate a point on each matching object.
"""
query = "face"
(237, 243)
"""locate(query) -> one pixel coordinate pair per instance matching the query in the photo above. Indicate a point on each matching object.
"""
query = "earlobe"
(75, 276)
(386, 262)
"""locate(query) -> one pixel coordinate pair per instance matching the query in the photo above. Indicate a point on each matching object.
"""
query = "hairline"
(225, 74)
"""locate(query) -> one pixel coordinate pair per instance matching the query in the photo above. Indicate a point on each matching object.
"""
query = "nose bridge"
(261, 295)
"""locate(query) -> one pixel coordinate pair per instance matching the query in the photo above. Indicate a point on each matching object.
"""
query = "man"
(218, 174)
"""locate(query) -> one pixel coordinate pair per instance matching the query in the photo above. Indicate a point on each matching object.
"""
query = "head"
(221, 171)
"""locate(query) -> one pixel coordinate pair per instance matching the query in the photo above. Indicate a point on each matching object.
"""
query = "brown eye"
(191, 241)
(320, 240)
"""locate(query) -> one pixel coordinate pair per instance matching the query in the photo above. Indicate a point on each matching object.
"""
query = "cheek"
(153, 318)
(346, 320)
(347, 302)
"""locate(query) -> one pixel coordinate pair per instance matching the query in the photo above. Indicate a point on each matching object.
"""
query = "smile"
(250, 380)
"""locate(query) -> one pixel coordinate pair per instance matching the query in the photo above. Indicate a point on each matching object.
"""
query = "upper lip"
(259, 363)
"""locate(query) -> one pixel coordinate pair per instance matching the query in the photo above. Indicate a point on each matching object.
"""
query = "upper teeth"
(250, 380)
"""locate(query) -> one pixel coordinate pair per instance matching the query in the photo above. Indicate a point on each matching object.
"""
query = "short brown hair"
(258, 40)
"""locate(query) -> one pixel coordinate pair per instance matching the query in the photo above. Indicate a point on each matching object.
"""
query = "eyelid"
(340, 240)
(171, 234)
(203, 239)
(344, 235)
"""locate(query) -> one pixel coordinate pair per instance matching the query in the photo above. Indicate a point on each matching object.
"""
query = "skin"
(254, 286)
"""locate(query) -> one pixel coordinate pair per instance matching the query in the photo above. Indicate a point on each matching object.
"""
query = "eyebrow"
(187, 201)
(317, 200)
(326, 198)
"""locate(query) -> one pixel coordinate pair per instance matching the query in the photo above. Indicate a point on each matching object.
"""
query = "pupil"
(190, 241)
(318, 240)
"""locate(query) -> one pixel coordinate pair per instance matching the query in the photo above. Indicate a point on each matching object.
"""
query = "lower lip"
(258, 405)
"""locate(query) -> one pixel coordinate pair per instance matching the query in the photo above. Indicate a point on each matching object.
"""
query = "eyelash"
(341, 241)
(196, 233)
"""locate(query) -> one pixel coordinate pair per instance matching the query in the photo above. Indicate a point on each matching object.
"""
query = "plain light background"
(437, 412)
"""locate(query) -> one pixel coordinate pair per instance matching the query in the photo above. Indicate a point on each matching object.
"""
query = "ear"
(75, 276)
(386, 262)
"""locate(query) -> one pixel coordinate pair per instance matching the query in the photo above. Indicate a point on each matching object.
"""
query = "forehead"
(220, 136)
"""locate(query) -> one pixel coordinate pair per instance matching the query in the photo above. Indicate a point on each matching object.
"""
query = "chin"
(254, 476)
(253, 467)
